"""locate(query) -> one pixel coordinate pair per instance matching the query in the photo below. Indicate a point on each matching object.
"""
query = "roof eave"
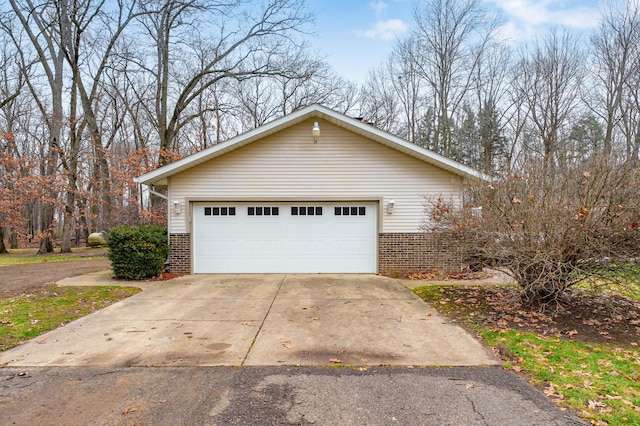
(159, 177)
(162, 173)
(408, 148)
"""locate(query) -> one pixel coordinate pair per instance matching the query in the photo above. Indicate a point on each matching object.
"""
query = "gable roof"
(160, 175)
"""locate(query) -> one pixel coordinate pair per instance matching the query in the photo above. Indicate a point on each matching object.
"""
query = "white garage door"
(303, 237)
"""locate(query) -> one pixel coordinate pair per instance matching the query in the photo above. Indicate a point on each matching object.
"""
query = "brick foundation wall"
(419, 251)
(397, 253)
(180, 253)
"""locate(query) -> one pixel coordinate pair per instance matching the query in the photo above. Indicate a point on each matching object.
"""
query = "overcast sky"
(357, 35)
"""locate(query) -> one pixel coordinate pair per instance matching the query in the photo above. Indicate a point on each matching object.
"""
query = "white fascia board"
(159, 176)
(404, 146)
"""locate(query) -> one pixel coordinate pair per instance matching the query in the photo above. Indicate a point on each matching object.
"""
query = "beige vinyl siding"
(341, 166)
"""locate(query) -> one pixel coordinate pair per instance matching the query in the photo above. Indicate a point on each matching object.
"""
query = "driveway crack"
(263, 321)
(474, 408)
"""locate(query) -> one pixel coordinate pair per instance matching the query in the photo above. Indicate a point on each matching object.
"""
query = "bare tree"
(452, 37)
(491, 85)
(315, 82)
(35, 21)
(480, 139)
(616, 51)
(78, 37)
(261, 99)
(379, 103)
(256, 102)
(630, 120)
(238, 41)
(550, 81)
(11, 107)
(407, 84)
(552, 230)
(89, 34)
(11, 78)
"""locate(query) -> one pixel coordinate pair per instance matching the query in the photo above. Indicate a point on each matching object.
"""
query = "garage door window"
(351, 211)
(219, 211)
(263, 211)
(306, 211)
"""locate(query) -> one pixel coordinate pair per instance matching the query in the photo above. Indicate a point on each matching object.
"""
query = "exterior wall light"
(177, 207)
(390, 205)
(315, 132)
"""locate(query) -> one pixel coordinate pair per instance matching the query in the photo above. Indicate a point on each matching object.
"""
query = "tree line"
(454, 86)
(94, 92)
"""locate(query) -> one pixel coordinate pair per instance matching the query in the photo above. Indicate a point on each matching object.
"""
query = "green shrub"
(137, 252)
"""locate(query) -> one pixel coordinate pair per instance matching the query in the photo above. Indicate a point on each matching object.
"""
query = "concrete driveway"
(257, 320)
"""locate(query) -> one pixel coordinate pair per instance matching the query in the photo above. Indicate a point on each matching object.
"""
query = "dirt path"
(17, 279)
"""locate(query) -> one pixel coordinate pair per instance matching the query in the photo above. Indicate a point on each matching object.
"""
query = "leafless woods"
(93, 92)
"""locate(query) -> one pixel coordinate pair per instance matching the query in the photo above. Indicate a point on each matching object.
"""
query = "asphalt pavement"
(272, 396)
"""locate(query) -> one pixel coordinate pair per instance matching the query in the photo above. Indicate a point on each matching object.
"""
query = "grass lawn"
(29, 315)
(625, 281)
(28, 256)
(597, 381)
(584, 357)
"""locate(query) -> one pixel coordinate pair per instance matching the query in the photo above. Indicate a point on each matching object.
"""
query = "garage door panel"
(294, 237)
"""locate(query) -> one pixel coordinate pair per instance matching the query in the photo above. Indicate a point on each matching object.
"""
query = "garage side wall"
(341, 166)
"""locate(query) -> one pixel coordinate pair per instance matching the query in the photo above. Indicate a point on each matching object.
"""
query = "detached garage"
(312, 192)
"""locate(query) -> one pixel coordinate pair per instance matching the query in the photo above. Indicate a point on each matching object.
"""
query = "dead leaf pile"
(582, 317)
(437, 275)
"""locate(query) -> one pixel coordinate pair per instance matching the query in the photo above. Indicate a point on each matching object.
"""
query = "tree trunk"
(13, 240)
(3, 248)
(55, 130)
(67, 225)
(46, 228)
(67, 230)
(71, 166)
(47, 214)
(84, 227)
